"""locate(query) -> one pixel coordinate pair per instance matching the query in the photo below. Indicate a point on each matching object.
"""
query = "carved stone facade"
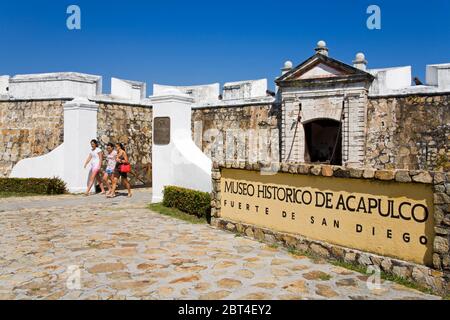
(331, 96)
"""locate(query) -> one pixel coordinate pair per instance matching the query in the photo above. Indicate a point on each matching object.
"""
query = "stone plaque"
(161, 130)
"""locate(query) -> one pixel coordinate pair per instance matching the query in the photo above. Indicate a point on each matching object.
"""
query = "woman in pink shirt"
(111, 162)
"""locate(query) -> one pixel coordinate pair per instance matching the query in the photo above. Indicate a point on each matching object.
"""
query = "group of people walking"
(117, 167)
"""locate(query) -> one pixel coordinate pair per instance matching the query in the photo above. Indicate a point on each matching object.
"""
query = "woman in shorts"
(95, 160)
(111, 162)
(121, 158)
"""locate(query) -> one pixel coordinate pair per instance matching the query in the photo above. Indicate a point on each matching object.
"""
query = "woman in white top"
(95, 158)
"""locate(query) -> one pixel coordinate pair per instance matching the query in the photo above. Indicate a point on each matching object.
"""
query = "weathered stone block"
(423, 177)
(385, 175)
(341, 173)
(304, 168)
(216, 175)
(402, 176)
(316, 170)
(369, 174)
(327, 171)
(386, 265)
(441, 245)
(230, 226)
(337, 252)
(441, 198)
(259, 234)
(350, 257)
(402, 272)
(240, 228)
(439, 178)
(356, 173)
(319, 249)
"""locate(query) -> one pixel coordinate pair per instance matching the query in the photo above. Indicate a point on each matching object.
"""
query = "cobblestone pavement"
(121, 250)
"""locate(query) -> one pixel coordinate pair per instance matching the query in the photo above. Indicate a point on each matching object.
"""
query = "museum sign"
(383, 217)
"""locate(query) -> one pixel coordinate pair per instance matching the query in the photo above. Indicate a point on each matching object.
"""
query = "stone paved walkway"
(124, 251)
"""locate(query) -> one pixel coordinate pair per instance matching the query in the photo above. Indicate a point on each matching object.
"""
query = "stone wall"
(28, 129)
(249, 132)
(409, 132)
(132, 126)
(435, 277)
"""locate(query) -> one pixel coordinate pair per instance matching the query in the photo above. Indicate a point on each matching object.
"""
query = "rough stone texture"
(130, 252)
(28, 129)
(411, 132)
(210, 126)
(132, 126)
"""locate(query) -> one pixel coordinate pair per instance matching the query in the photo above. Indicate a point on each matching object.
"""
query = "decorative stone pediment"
(322, 69)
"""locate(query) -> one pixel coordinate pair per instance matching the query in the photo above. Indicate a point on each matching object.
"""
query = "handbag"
(125, 168)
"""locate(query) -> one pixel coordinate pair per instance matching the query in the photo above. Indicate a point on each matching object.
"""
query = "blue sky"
(195, 42)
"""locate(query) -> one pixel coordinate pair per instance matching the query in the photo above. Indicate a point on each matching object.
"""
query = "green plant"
(189, 201)
(32, 186)
(175, 213)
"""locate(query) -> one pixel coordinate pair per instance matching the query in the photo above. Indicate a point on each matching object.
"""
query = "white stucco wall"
(181, 162)
(54, 85)
(244, 89)
(80, 127)
(202, 94)
(439, 75)
(47, 166)
(66, 161)
(4, 84)
(127, 89)
(390, 79)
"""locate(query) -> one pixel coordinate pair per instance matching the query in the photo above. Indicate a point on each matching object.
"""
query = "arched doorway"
(323, 141)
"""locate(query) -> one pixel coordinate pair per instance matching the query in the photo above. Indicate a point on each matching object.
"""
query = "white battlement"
(234, 93)
(68, 85)
(242, 90)
(129, 90)
(439, 75)
(54, 85)
(390, 79)
(202, 94)
(398, 80)
(4, 85)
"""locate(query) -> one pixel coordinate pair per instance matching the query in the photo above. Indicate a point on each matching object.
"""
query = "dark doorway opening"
(323, 142)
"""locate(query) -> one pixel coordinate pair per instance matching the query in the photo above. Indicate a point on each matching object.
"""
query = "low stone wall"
(409, 132)
(435, 277)
(28, 128)
(132, 126)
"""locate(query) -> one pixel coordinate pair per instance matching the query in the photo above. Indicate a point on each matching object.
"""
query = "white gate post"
(80, 127)
(177, 161)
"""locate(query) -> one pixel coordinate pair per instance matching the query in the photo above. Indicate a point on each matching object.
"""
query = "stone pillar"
(80, 127)
(176, 160)
(354, 132)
